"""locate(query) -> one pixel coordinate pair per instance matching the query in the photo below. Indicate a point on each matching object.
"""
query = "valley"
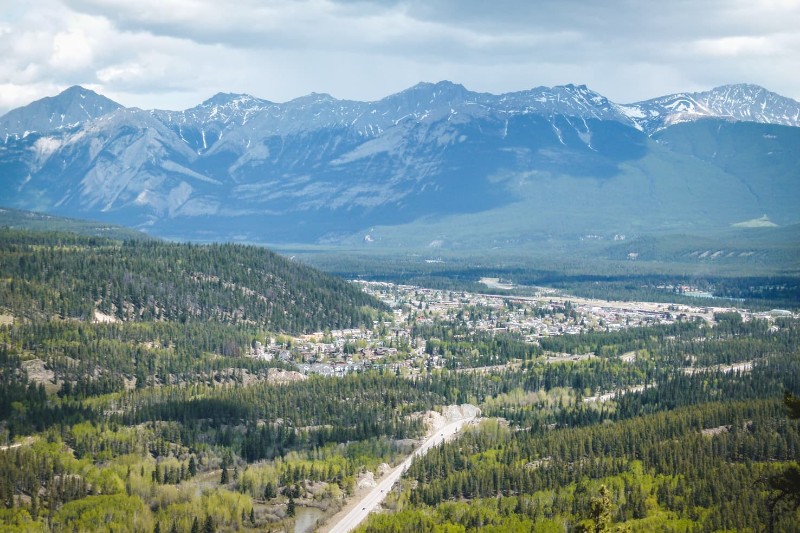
(408, 341)
(150, 384)
(532, 311)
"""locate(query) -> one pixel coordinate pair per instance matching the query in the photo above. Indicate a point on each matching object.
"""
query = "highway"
(373, 498)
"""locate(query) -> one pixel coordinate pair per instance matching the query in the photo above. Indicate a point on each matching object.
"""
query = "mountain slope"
(668, 188)
(318, 169)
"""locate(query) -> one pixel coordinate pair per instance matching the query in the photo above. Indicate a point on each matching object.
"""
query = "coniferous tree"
(602, 509)
(787, 483)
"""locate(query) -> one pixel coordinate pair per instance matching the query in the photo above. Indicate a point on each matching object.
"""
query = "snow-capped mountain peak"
(741, 102)
(222, 108)
(317, 165)
(68, 109)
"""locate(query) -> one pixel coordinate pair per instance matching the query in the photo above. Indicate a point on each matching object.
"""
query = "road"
(373, 498)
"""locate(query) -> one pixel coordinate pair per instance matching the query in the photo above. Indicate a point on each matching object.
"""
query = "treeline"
(58, 226)
(581, 276)
(461, 346)
(682, 450)
(91, 359)
(47, 275)
(705, 464)
(44, 487)
(675, 366)
(25, 406)
(301, 415)
(82, 360)
(729, 340)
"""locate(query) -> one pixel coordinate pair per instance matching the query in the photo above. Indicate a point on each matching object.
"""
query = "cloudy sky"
(172, 54)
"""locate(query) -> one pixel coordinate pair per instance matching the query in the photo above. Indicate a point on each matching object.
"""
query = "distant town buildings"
(389, 344)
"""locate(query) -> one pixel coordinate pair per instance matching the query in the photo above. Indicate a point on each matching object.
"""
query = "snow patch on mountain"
(391, 143)
(255, 153)
(44, 147)
(180, 169)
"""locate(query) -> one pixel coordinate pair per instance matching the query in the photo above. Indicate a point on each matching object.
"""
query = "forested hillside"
(46, 275)
(134, 396)
(32, 221)
(128, 381)
(672, 450)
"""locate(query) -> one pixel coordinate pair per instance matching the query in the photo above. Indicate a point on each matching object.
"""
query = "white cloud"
(175, 53)
(737, 47)
(72, 50)
(123, 73)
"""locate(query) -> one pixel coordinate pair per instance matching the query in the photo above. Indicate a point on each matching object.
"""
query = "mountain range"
(435, 165)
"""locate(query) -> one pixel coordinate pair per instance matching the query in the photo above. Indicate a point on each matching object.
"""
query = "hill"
(28, 220)
(68, 276)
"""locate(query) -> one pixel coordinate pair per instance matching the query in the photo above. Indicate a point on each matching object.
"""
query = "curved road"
(373, 499)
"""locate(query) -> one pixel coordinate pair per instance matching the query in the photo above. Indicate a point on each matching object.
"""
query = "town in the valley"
(391, 343)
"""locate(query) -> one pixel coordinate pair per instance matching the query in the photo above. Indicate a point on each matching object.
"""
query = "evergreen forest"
(134, 396)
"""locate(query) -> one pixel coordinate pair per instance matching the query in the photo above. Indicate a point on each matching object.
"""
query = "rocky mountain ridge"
(424, 101)
(319, 169)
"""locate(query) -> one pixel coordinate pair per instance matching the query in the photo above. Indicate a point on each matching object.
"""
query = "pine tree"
(602, 508)
(787, 483)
